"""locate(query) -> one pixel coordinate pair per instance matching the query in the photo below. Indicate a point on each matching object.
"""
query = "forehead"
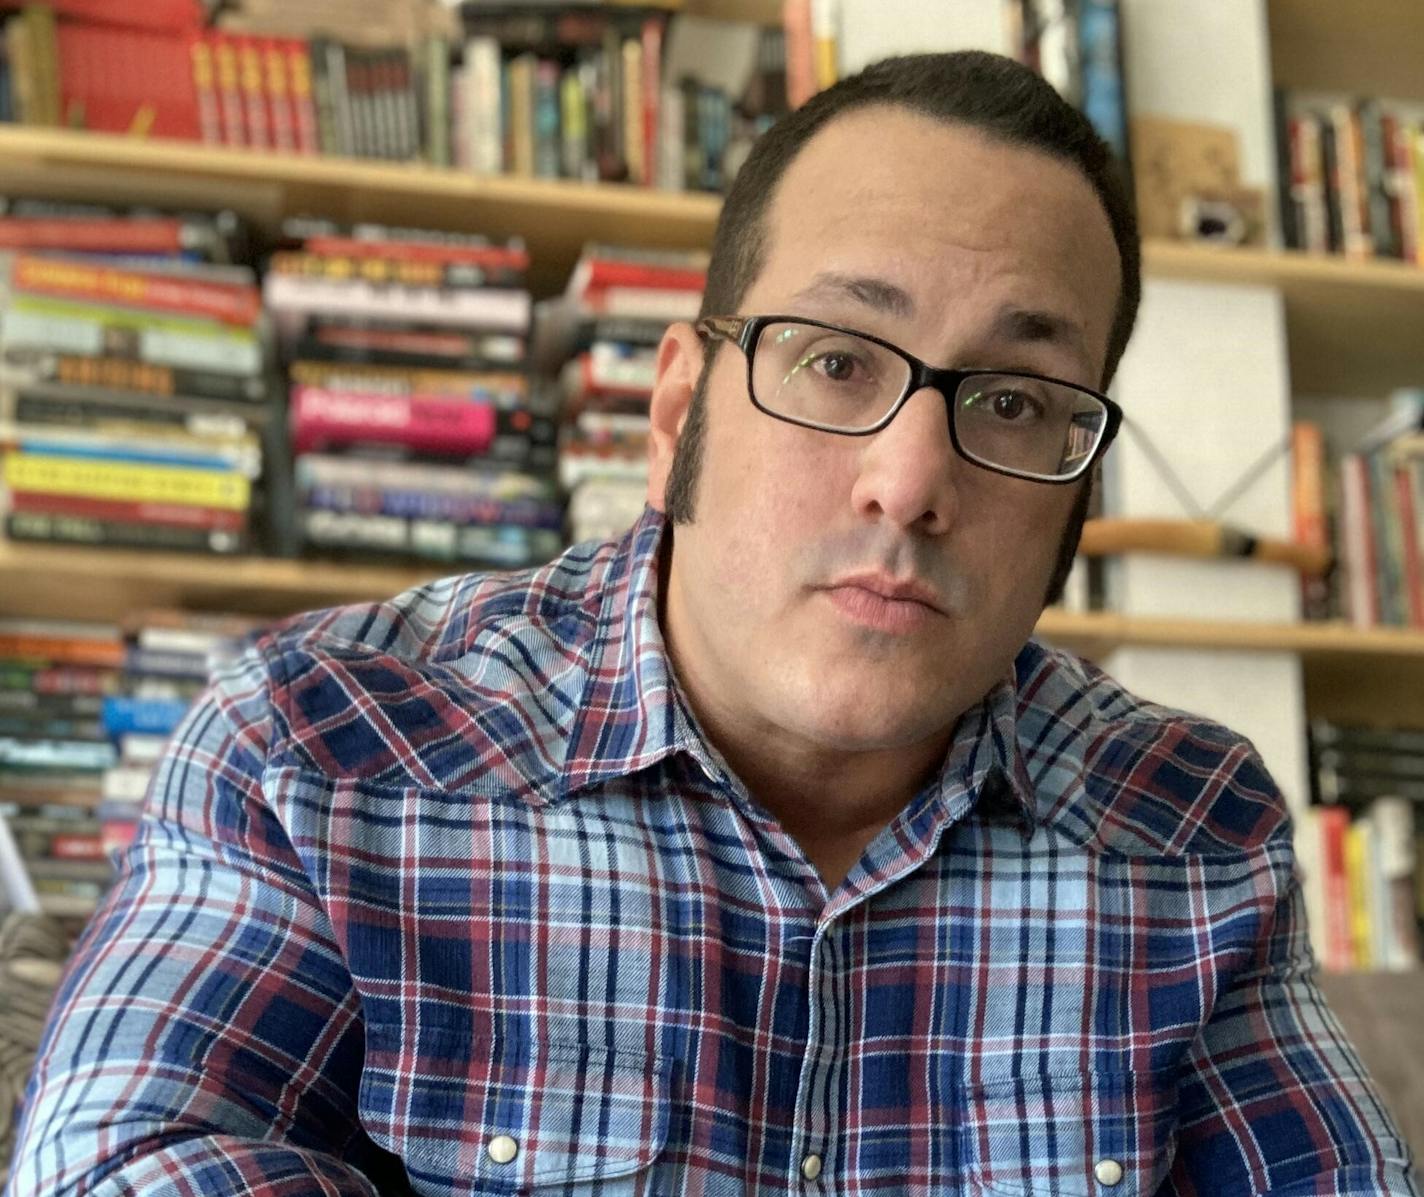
(961, 222)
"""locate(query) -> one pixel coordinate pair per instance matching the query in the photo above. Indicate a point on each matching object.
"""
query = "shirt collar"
(632, 713)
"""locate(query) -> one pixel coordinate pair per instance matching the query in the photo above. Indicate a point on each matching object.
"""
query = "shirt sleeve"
(1274, 1098)
(206, 1035)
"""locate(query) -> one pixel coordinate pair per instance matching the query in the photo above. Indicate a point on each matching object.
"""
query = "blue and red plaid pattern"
(447, 895)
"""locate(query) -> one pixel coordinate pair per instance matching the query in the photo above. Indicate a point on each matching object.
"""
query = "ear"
(679, 363)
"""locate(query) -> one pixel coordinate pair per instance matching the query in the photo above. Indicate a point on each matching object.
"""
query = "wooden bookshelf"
(1354, 326)
(1376, 673)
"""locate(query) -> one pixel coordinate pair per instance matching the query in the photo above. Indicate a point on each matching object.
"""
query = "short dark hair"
(987, 92)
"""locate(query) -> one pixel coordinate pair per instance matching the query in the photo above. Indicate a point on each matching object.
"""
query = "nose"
(908, 469)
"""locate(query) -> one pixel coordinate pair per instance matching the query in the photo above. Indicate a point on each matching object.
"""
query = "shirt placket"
(815, 1141)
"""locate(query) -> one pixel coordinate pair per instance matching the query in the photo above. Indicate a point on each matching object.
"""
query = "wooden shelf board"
(102, 584)
(1098, 633)
(1324, 45)
(1353, 328)
(110, 581)
(556, 216)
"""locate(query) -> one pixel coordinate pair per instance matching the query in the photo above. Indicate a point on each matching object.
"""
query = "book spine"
(501, 388)
(404, 272)
(485, 115)
(434, 424)
(573, 134)
(229, 89)
(281, 116)
(1358, 541)
(92, 336)
(1375, 170)
(1289, 173)
(420, 504)
(631, 106)
(546, 119)
(1340, 950)
(126, 482)
(512, 256)
(520, 74)
(200, 54)
(1388, 540)
(438, 149)
(123, 374)
(1412, 569)
(62, 529)
(1358, 872)
(153, 235)
(652, 94)
(173, 515)
(229, 303)
(1354, 195)
(1405, 197)
(254, 101)
(1334, 206)
(492, 308)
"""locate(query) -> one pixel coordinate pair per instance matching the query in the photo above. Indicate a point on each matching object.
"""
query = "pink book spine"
(440, 424)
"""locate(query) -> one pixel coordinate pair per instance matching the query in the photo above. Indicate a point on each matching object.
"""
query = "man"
(763, 851)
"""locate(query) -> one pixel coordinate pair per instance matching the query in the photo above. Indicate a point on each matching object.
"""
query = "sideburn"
(679, 499)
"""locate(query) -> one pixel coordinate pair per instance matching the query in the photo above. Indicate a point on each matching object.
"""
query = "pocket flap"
(1105, 1134)
(494, 1116)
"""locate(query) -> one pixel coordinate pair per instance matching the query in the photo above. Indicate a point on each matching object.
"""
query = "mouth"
(885, 604)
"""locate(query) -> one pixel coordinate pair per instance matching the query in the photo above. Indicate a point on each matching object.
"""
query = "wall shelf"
(1354, 326)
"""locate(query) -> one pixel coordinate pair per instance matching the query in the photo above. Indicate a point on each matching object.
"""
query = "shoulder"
(1122, 774)
(459, 682)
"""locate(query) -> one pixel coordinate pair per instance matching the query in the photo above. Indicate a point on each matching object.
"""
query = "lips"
(899, 590)
(884, 604)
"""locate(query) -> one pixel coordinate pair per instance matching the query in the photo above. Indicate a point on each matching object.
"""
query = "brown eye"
(838, 367)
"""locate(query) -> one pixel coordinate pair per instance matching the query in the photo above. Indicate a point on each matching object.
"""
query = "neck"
(831, 804)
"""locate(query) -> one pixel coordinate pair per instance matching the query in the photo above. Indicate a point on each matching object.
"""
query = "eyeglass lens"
(843, 382)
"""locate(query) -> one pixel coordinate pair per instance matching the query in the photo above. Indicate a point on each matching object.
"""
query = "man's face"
(852, 594)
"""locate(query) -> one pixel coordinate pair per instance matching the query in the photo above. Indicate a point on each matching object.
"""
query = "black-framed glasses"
(848, 382)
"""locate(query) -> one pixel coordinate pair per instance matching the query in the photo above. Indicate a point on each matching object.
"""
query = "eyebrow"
(1017, 325)
(877, 293)
(1028, 326)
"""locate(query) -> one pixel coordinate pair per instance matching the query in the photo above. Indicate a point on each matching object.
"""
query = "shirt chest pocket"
(1104, 1134)
(485, 1116)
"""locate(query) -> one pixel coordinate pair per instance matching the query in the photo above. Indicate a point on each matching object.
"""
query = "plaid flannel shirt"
(447, 895)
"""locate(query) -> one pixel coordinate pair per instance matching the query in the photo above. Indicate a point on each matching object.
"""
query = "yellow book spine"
(1357, 871)
(126, 481)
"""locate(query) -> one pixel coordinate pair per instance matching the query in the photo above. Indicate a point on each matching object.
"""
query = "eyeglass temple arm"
(729, 327)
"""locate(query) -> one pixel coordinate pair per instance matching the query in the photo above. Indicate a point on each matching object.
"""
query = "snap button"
(1108, 1172)
(502, 1149)
(811, 1166)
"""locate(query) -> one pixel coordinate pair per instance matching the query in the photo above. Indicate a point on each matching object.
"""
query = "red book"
(62, 649)
(231, 303)
(229, 89)
(254, 92)
(164, 16)
(168, 515)
(598, 274)
(1409, 526)
(120, 80)
(98, 234)
(800, 52)
(438, 424)
(652, 96)
(280, 117)
(299, 80)
(205, 87)
(1339, 945)
(72, 846)
(401, 250)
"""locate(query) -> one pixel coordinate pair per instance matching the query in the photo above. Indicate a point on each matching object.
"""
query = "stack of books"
(1351, 176)
(55, 678)
(1358, 845)
(168, 658)
(601, 338)
(415, 430)
(1368, 503)
(134, 391)
(85, 713)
